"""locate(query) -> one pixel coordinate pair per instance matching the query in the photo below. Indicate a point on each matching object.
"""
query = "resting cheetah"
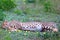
(31, 26)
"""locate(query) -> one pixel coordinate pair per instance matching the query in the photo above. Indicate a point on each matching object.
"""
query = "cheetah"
(30, 26)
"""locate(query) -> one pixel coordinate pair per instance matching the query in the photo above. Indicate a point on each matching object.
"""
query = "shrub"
(7, 4)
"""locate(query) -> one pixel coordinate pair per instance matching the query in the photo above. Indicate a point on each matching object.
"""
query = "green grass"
(7, 4)
(27, 35)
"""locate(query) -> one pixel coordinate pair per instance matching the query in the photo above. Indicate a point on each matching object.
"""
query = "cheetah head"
(5, 24)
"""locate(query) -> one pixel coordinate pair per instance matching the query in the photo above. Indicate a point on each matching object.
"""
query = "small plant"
(7, 4)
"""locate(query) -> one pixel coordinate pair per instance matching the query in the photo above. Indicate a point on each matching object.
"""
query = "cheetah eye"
(5, 24)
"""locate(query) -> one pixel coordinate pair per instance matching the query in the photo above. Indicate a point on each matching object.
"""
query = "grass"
(30, 13)
(27, 35)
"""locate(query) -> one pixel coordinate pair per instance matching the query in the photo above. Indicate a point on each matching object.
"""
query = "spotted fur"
(31, 26)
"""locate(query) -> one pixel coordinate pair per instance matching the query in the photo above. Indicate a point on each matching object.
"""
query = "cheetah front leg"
(12, 29)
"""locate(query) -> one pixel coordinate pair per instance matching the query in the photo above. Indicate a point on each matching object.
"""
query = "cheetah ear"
(5, 21)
